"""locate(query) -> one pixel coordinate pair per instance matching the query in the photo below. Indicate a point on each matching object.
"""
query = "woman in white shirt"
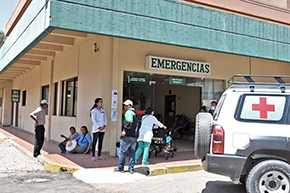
(99, 120)
(146, 135)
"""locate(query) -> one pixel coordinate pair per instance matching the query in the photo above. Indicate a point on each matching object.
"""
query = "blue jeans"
(127, 143)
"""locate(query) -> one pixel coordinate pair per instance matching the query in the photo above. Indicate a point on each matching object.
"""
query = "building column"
(6, 103)
(51, 100)
(115, 130)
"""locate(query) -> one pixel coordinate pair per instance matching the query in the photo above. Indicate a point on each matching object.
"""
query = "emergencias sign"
(176, 65)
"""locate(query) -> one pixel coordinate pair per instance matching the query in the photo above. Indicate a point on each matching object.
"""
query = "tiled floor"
(184, 154)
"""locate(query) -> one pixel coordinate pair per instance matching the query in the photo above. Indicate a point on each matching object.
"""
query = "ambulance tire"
(269, 176)
(203, 130)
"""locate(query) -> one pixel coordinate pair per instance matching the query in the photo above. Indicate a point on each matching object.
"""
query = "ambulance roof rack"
(251, 83)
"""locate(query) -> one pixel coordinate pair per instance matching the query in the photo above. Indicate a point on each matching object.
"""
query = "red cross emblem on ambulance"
(263, 107)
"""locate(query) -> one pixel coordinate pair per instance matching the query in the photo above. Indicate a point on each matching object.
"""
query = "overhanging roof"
(50, 26)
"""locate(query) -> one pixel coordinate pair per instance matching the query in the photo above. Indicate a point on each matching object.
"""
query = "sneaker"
(100, 158)
(118, 170)
(93, 159)
(144, 164)
(131, 171)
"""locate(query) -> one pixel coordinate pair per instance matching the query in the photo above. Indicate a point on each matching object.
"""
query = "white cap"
(128, 102)
(44, 101)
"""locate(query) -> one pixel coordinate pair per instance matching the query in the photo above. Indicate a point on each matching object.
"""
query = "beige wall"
(223, 66)
(99, 73)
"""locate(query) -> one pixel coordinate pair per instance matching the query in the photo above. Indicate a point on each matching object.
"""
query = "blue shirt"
(84, 142)
(73, 136)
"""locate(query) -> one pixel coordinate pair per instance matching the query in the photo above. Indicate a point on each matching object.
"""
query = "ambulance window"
(219, 107)
(263, 108)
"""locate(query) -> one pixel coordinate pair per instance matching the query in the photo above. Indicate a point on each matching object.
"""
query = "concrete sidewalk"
(55, 162)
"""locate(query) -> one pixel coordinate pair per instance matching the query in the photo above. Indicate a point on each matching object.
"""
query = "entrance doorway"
(171, 96)
(170, 109)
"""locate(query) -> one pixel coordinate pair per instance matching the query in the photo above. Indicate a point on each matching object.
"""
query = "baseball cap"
(44, 101)
(128, 102)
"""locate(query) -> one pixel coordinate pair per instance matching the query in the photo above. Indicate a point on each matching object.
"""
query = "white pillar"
(51, 100)
(115, 131)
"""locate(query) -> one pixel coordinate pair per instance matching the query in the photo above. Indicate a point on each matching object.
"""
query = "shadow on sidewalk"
(51, 151)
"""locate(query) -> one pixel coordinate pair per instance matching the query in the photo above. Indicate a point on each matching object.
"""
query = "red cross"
(263, 107)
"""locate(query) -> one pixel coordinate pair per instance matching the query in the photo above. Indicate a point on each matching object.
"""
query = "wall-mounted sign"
(178, 81)
(176, 65)
(15, 96)
(114, 99)
(134, 79)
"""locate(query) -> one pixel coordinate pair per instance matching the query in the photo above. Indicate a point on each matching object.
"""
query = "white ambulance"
(248, 137)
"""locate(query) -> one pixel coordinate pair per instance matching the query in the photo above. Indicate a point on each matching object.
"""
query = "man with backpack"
(129, 137)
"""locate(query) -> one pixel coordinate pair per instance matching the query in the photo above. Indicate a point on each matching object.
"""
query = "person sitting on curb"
(73, 135)
(83, 142)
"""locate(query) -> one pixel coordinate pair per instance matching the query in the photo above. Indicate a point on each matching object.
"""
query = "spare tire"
(203, 130)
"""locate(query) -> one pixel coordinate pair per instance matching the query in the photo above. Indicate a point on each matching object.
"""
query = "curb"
(55, 167)
(169, 169)
(175, 169)
(47, 163)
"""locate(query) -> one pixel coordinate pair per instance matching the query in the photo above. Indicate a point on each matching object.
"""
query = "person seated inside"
(73, 135)
(182, 124)
(202, 109)
(83, 142)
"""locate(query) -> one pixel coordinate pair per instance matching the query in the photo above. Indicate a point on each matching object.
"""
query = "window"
(219, 107)
(69, 97)
(62, 95)
(45, 92)
(24, 98)
(55, 98)
(262, 108)
(45, 95)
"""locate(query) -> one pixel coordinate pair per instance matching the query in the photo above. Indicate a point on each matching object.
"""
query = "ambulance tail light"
(218, 139)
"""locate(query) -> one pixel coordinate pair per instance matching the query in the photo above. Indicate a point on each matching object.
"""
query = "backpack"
(134, 129)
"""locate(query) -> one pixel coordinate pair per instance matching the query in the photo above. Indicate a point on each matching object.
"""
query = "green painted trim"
(175, 23)
(31, 28)
(190, 14)
(29, 47)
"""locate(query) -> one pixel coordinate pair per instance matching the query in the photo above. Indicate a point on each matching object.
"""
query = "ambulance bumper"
(226, 165)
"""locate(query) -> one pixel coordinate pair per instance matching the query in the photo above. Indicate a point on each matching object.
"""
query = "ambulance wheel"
(203, 130)
(269, 176)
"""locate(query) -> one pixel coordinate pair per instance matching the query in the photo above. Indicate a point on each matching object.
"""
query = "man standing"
(39, 117)
(129, 137)
(213, 107)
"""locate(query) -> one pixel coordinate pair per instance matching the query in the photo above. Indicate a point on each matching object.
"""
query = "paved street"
(193, 182)
(21, 173)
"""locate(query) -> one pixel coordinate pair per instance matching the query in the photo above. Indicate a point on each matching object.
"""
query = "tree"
(2, 37)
